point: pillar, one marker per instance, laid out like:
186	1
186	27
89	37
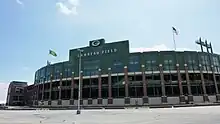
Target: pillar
38	91
42	95
205	96
90	100
36	88
60	91
72	89
81	84
216	86
50	93
145	97
190	96
110	99
127	98
182	97
163	97
99	86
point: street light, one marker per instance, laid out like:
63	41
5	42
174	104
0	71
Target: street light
79	86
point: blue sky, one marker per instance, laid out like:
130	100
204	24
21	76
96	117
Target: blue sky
29	28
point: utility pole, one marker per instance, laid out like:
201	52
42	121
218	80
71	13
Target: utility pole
79	86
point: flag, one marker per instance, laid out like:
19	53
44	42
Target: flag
48	62
51	52
175	31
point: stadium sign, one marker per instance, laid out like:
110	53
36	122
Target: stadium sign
106	51
96	43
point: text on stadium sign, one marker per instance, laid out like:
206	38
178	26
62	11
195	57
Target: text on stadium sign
107	51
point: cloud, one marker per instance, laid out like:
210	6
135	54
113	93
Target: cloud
68	7
160	47
19	2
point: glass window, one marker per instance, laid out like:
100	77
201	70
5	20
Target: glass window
134	65
36	76
117	67
65	73
151	65
91	67
192	63
204	60
42	75
69	73
57	72
166	62
48	73
168	65
190	67
215	61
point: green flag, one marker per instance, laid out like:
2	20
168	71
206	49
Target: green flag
51	52
175	31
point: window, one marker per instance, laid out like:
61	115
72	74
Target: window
191	62
216	64
91	67
42	74
48	73
57	73
36	77
148	65
168	65
151	65
133	65
205	63
204	60
215	61
117	66
69	73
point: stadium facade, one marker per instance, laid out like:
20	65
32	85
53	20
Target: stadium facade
112	76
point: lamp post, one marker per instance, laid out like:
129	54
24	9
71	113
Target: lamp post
79	86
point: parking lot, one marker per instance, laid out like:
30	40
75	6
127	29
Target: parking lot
186	115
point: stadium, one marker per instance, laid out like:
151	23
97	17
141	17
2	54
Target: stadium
110	75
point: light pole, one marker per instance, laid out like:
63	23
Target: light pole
79	86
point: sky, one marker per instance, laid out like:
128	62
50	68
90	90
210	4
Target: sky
29	28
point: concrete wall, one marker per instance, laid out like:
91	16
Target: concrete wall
139	100
154	100
173	100
65	102
118	102
198	99
212	98
121	101
54	103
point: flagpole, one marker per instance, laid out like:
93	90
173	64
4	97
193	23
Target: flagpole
174	42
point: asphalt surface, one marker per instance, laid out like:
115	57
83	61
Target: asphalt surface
186	115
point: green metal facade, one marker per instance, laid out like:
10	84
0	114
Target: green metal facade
116	55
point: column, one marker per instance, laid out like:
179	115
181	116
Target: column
42	95
205	96
81	79
60	90
190	96
216	86
163	97
99	87
90	100
110	99
50	93
145	97
182	97
72	89
127	98
38	88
